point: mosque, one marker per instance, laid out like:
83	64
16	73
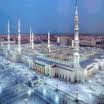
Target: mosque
68	63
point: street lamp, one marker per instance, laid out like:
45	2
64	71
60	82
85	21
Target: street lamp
44	91
56	98
0	90
57	85
90	83
29	92
76	96
25	100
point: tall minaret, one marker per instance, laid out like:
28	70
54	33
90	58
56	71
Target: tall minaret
76	39
58	40
8	35
49	45
32	40
30	36
19	37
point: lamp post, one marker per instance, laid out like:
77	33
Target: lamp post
76	99
0	90
57	85
25	101
57	99
90	86
29	92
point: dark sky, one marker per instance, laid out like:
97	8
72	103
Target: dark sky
52	15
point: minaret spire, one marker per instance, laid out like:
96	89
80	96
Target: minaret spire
19	36
76	39
30	36
8	35
76	8
76	3
49	42
32	40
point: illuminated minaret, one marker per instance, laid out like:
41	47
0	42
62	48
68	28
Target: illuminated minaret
30	36
8	35
58	40
72	43
19	37
49	45
76	39
32	40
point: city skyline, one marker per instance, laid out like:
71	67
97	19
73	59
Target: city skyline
54	16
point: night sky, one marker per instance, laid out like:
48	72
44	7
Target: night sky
52	15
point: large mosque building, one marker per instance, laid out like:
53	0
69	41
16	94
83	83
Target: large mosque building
68	63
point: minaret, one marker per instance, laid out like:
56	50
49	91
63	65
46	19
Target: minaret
72	43
8	35
30	36
76	40
32	40
19	37
58	40
49	45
